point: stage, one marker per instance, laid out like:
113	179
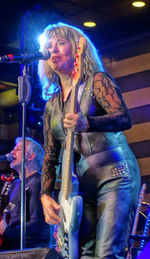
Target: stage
35	253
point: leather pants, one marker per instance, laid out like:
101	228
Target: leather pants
110	189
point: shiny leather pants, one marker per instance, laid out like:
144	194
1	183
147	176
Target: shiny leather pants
110	203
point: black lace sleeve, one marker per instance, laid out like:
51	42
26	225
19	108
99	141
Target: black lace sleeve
108	95
51	157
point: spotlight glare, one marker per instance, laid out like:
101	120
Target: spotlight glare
89	24
138	3
42	40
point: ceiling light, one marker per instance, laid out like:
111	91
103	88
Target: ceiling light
138	3
89	24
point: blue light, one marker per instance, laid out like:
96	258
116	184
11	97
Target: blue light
53	89
42	40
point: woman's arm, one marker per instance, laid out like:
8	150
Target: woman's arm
51	160
51	156
108	95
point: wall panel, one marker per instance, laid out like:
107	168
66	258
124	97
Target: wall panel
133	77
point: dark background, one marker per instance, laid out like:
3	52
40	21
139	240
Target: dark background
118	23
122	31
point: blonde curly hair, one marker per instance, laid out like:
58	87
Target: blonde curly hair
91	62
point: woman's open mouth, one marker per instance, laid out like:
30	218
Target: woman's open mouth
56	58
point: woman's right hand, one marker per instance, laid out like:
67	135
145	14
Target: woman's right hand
50	209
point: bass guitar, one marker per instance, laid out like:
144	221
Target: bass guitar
71	203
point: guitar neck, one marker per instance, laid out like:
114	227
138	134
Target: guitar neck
68	156
74	95
5	191
3	198
67	165
67	161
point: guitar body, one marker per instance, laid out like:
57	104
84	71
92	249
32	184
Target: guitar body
70	214
67	232
71	203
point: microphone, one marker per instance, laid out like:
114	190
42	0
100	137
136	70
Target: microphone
25	58
7	157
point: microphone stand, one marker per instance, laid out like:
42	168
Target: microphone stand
24	97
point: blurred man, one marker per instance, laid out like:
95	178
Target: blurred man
37	231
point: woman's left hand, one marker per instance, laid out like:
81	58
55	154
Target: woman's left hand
76	122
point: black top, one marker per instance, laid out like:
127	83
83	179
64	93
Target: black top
37	231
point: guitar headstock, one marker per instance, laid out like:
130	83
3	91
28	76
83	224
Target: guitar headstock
8	180
81	46
78	67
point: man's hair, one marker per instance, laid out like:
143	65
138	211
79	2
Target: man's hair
92	61
33	146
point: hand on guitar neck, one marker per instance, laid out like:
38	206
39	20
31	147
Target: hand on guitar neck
51	209
76	122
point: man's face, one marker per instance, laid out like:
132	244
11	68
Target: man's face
17	157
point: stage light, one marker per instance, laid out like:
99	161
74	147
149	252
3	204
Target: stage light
42	40
138	3
89	24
